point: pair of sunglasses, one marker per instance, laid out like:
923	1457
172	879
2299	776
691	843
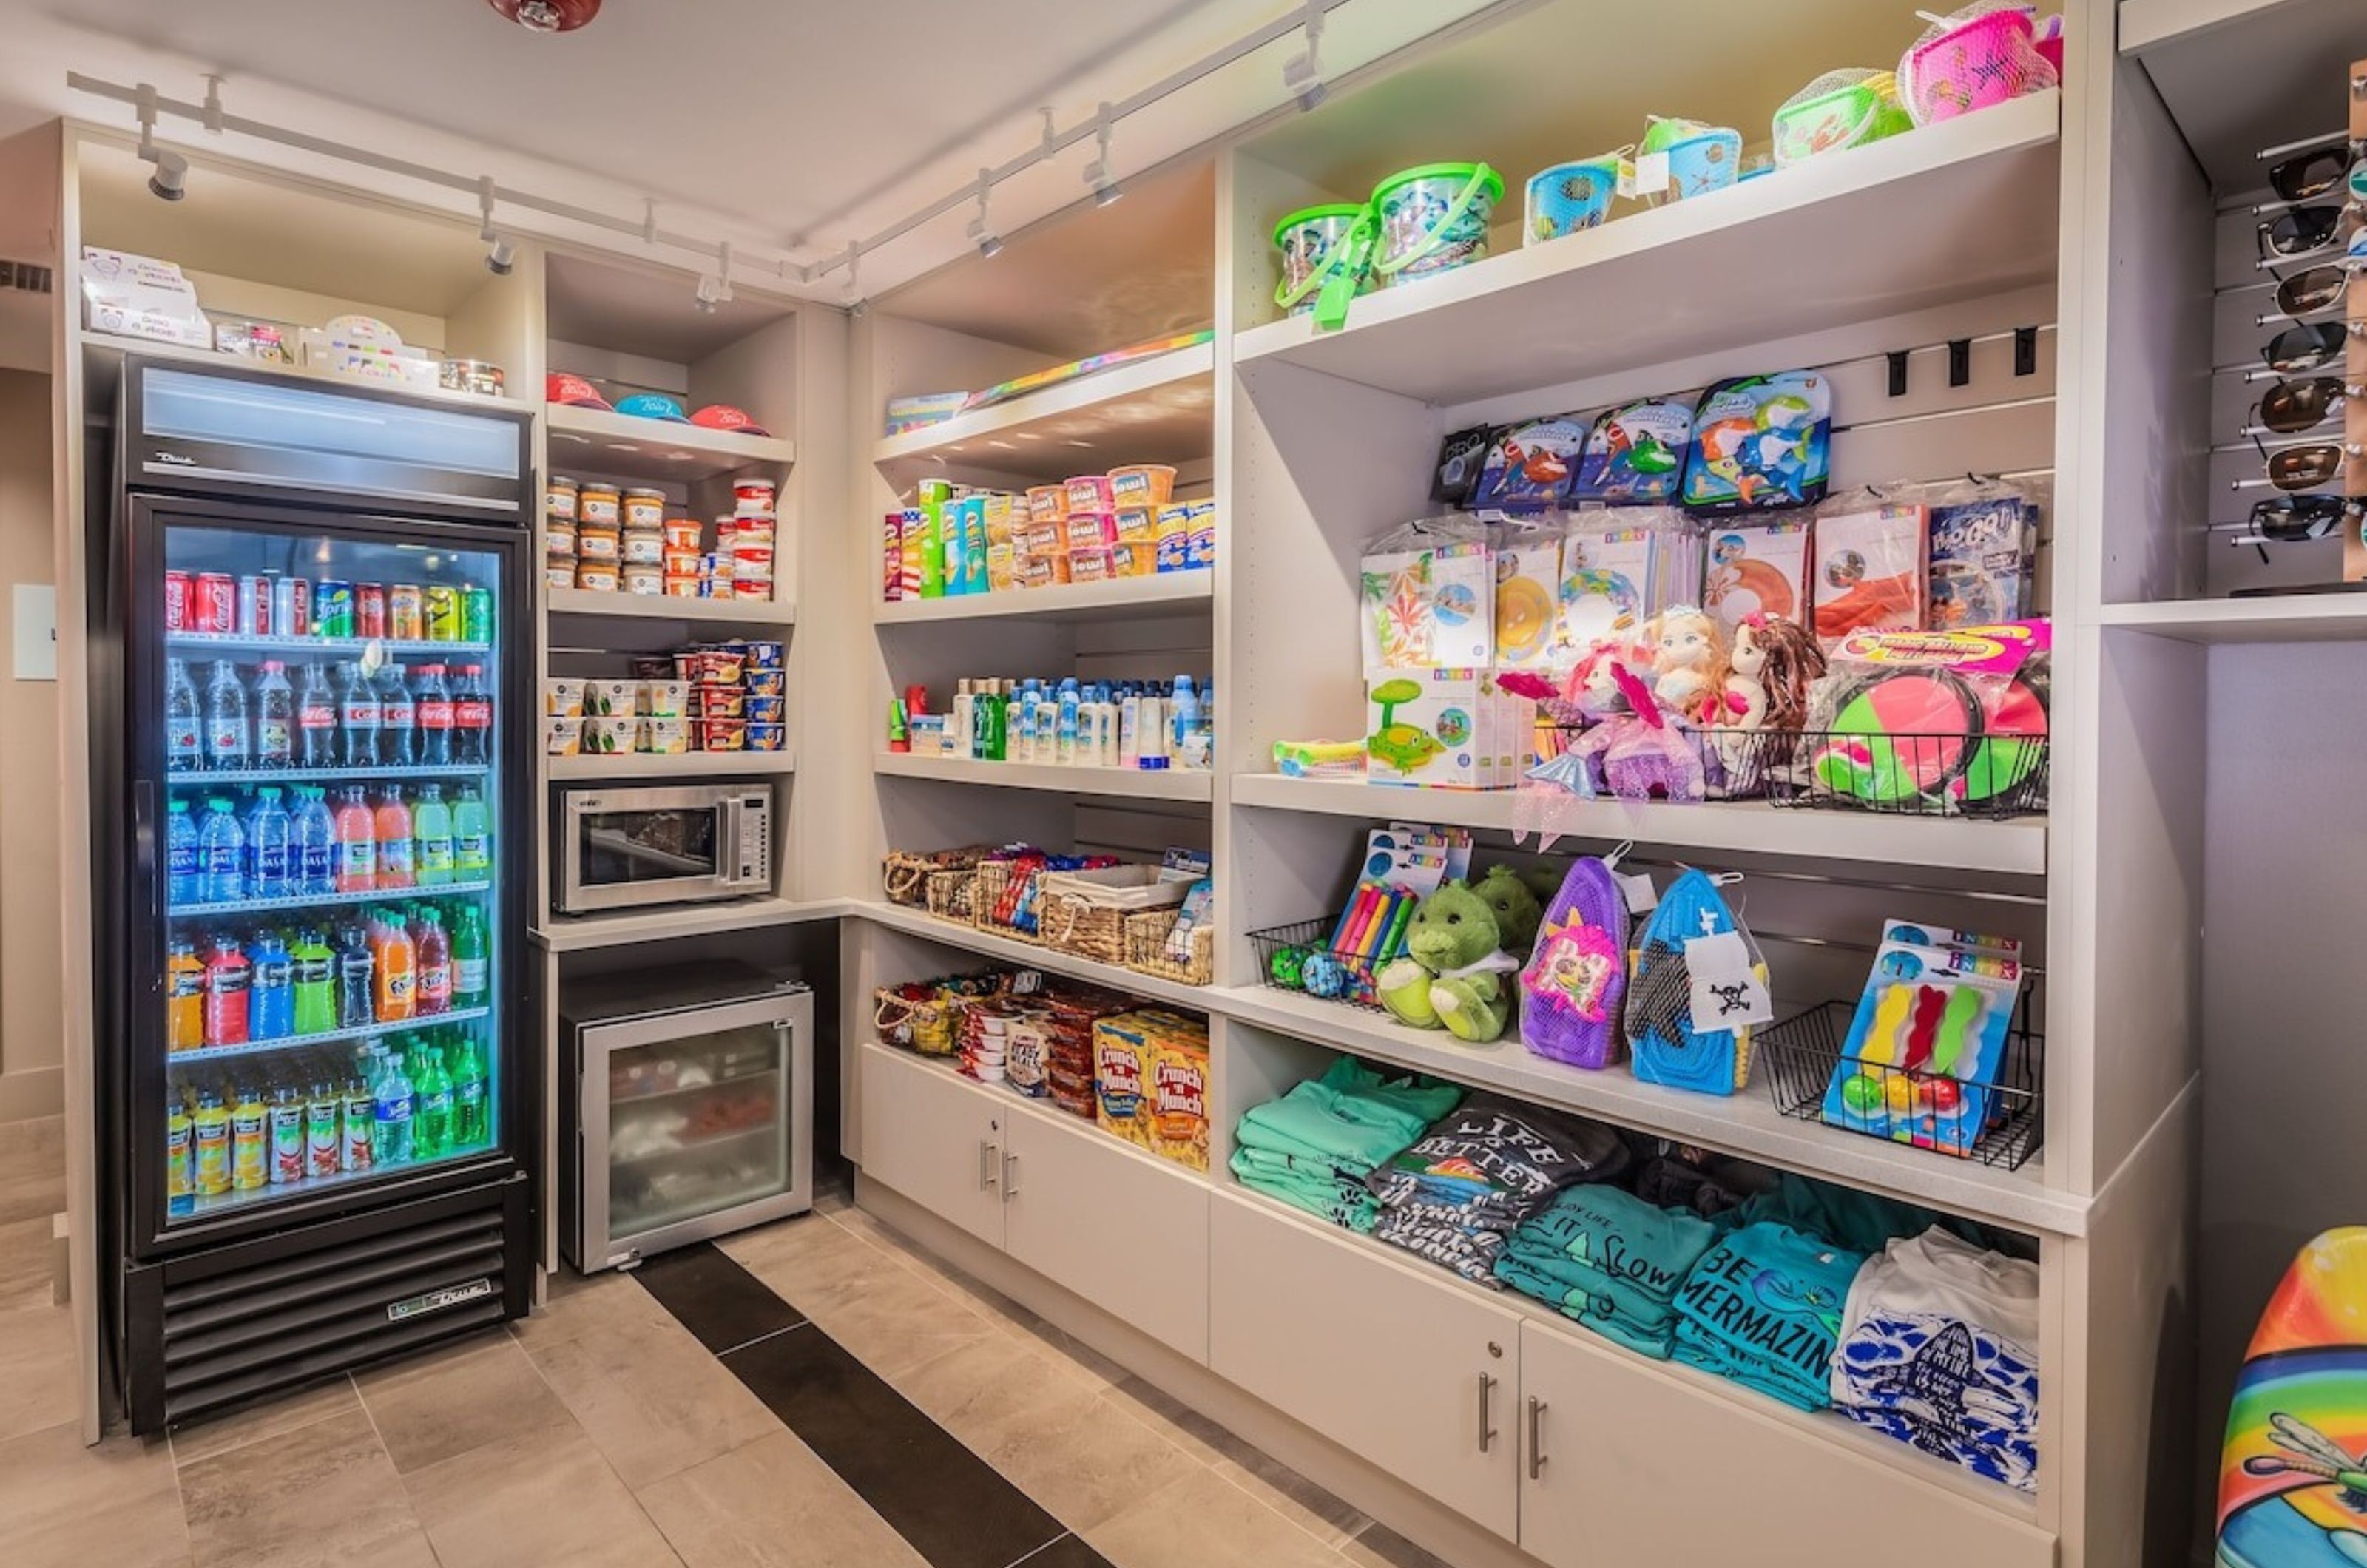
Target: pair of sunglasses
2305	467
2306	229
2292	407
2309	346
2295	519
2308	176
2322	288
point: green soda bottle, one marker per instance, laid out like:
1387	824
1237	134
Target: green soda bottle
471	1106
432	1129
472	970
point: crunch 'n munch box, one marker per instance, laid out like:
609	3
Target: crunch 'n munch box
1150	1080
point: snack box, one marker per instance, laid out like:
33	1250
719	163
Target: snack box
1445	729
611	699
664	699
1200	543
614	737
1151	1083
562	737
665	737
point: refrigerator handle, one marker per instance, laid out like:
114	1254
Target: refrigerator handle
143	841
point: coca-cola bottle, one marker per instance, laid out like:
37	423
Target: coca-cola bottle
436	717
472	719
398	719
316	720
358	717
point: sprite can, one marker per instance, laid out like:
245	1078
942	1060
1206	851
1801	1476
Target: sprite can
476	613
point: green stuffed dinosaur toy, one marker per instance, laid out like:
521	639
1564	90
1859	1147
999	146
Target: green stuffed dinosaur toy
1451	974
1518	913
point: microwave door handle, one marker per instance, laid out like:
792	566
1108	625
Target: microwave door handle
727	855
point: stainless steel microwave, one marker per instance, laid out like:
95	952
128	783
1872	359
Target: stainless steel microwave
625	847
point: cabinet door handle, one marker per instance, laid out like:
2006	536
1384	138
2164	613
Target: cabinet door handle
986	1162
1486	1432
1010	1177
1536	1437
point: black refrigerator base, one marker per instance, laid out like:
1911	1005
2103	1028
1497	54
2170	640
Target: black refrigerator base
232	1324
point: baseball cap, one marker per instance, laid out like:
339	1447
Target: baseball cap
652	405
723	416
558	386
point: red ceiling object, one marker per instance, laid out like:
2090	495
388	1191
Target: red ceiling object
548	16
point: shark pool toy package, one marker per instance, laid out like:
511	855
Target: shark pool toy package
1928	1040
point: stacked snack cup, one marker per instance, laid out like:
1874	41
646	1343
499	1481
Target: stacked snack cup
559	532
750	540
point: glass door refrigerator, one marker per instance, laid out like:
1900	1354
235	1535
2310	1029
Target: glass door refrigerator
322	1067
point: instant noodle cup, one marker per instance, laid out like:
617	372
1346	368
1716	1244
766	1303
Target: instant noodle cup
664	699
1095	564
1136	559
1089	530
1433	219
684	534
766	710
597	577
722	702
762	655
1090	493
1047	503
767	736
563	698
611	737
766	683
648	581
1137	522
560	574
721	667
721	734
1141	484
1042	538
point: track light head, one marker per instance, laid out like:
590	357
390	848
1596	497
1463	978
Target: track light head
1314	94
501	256
171	180
981	232
711	294
990	245
1097	172
1302	74
1107	193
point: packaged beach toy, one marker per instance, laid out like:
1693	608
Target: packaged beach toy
1761	441
1976	57
1530	465
1326	260
1699	158
1635	453
1928	1039
1433	219
1567	197
1838	109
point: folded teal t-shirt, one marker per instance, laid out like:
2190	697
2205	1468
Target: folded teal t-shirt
1651	1249
1763	1306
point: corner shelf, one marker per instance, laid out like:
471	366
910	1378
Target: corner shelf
583	933
1160	409
1187	591
1747	1123
1171	783
919	924
2017	847
595	441
1950	211
665	608
2315	617
674	766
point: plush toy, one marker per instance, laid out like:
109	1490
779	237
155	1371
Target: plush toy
1544	880
1451	974
1645	753
1689	663
1774	660
1515	905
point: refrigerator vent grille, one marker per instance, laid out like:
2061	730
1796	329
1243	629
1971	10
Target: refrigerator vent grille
250	1331
29	277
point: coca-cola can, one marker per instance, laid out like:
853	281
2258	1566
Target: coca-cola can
369	609
179	589
255	606
215	608
291	606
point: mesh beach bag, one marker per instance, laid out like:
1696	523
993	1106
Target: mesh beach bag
1975	58
1838	109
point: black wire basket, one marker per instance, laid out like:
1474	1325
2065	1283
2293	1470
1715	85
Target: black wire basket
1957	774
1283	955
1800	1058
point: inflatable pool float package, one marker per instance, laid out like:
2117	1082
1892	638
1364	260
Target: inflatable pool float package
1928	1040
1429	595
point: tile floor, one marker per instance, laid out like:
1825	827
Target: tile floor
814	1394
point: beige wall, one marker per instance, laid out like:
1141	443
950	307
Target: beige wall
31	1032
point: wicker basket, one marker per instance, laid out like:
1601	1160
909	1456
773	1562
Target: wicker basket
917	1023
1146	949
1085	912
1085	929
1003	898
904	874
953	896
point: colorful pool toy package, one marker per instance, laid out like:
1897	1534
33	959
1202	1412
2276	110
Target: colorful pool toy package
1444	729
1567	198
1433	219
1761	441
1839	110
1678	159
1939	720
1428	595
1928	1040
1327	254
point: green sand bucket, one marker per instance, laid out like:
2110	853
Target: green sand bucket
1326	260
1433	219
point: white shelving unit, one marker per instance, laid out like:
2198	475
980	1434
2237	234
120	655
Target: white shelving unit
1063	602
1171	783
586	602
674	766
1027	954
1157	408
599	441
586	933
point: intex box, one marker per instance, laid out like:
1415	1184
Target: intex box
1449	728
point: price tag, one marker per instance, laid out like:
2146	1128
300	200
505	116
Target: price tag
1727	992
1641	895
1652	174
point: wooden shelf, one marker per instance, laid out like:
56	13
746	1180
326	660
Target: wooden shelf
1187	591
2321	617
663	608
1171	783
2017	847
920	922
581	933
1948	212
596	440
1747	1123
1154	410
676	765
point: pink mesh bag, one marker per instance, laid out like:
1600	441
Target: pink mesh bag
1975	58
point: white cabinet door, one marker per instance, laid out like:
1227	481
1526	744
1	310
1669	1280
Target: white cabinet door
1639	1464
1127	1232
1415	1372
935	1137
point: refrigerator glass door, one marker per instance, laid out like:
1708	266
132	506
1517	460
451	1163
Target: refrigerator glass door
700	1110
321	798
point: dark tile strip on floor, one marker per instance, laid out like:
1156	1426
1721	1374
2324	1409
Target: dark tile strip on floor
954	1509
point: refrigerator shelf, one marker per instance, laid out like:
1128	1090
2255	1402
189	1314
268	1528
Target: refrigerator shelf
221	643
198	777
247	1198
621	1101
703	1145
326	900
353	1036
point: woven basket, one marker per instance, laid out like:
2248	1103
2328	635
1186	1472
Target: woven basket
1146	949
1084	928
925	1025
953	896
904	874
1003	900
